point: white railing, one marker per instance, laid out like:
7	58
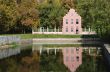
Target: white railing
43	30
47	30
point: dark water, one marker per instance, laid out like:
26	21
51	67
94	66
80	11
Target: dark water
48	58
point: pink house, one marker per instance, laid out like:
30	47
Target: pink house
72	23
72	58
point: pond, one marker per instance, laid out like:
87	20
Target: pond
52	58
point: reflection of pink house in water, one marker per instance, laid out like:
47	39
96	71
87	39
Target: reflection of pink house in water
72	58
72	23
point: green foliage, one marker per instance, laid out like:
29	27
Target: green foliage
92	64
28	12
51	13
95	14
8	15
24	15
52	62
28	61
16	16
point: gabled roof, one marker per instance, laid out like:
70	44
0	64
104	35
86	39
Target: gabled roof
72	13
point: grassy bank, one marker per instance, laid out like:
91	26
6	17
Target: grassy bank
30	36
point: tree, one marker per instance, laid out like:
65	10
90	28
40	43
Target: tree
8	15
95	14
51	13
29	15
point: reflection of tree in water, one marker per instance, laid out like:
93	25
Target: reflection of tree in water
29	61
52	62
25	62
91	63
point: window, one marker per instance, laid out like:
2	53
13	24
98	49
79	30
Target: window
76	31
66	21
71	29
66	29
77	21
71	21
77	49
77	58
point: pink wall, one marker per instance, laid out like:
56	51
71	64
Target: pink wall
70	55
69	16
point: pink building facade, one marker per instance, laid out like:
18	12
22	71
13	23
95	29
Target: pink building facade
72	58
72	23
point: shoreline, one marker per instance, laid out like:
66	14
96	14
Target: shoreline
66	41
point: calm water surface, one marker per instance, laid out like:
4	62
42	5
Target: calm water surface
49	58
